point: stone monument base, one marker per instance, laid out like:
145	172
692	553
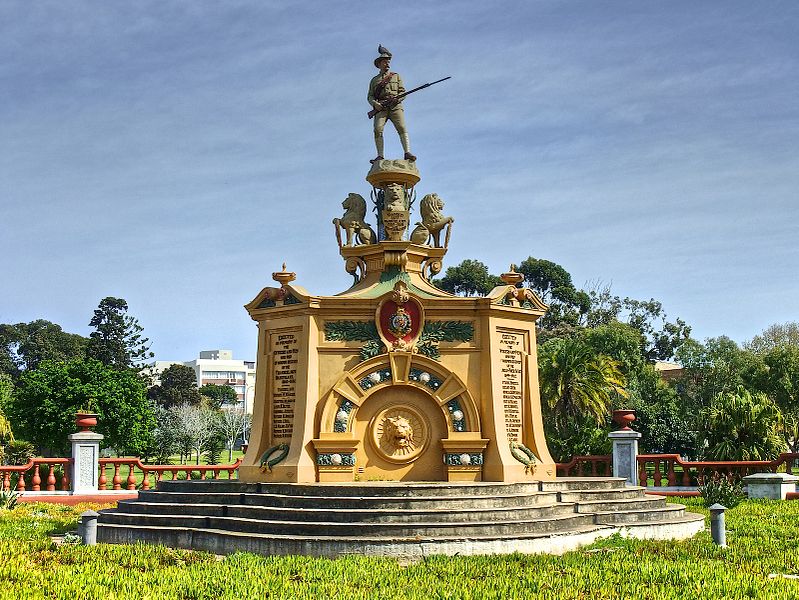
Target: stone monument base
410	520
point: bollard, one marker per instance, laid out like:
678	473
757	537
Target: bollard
87	527
717	530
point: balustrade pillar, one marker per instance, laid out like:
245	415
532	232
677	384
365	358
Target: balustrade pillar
85	457
625	451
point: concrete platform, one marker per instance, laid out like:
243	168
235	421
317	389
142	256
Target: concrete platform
393	519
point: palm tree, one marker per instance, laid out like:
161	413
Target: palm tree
578	382
741	426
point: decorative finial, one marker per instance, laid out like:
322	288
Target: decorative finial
512	277
283	277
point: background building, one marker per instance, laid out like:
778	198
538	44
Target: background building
220	368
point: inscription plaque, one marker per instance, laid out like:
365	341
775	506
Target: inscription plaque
511	348
285	356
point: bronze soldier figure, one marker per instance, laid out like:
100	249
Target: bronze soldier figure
384	88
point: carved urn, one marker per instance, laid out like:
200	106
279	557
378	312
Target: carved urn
623	417
85	421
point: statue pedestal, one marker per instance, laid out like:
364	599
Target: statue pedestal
625	454
85	457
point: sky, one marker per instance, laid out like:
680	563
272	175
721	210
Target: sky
176	153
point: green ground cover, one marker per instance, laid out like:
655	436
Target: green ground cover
763	538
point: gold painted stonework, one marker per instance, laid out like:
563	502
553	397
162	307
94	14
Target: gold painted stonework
394	373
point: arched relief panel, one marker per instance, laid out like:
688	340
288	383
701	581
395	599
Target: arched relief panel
398	368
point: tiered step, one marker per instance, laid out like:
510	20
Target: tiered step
388	518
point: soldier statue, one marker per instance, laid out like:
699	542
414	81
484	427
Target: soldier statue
383	91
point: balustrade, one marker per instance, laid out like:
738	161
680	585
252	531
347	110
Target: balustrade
679	472
586	466
32	470
136	469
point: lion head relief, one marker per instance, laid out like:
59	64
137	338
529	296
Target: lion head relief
399	431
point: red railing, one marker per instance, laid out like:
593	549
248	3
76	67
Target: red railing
33	472
674	471
587	466
137	469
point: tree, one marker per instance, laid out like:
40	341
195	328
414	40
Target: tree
201	426
178	386
44	405
117	339
219	395
25	345
233	423
739	425
577	381
469	278
553	284
661	338
578	387
779	379
779	334
6	389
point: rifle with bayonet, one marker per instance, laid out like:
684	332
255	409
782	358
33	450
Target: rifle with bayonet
391	102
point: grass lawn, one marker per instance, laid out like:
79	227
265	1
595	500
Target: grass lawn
763	539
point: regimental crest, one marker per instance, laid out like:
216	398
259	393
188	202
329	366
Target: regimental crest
400	319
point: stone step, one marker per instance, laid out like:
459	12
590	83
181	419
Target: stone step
354	489
565	484
617	494
391	530
334	515
223	542
354	502
669	512
622	504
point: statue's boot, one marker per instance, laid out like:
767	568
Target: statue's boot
409	156
374	160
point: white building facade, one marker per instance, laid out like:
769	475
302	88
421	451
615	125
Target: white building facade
220	368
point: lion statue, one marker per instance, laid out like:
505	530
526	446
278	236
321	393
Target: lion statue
399	431
353	222
433	221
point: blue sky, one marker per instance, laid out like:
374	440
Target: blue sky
176	153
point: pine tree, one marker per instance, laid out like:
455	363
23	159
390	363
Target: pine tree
117	339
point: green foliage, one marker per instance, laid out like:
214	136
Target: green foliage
774	336
219	395
722	490
25	346
8	500
469	278
553	284
742	426
350	331
117	339
577	381
178	386
19	452
6	389
370	349
664	426
43	409
448	331
661	338
761	536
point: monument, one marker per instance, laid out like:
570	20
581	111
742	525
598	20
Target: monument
394	418
394	378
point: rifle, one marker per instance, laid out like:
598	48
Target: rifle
394	100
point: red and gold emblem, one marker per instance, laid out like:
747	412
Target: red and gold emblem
399	319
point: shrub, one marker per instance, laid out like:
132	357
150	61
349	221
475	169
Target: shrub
19	452
8	500
722	489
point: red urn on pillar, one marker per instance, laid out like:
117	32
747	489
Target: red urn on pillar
623	417
85	421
